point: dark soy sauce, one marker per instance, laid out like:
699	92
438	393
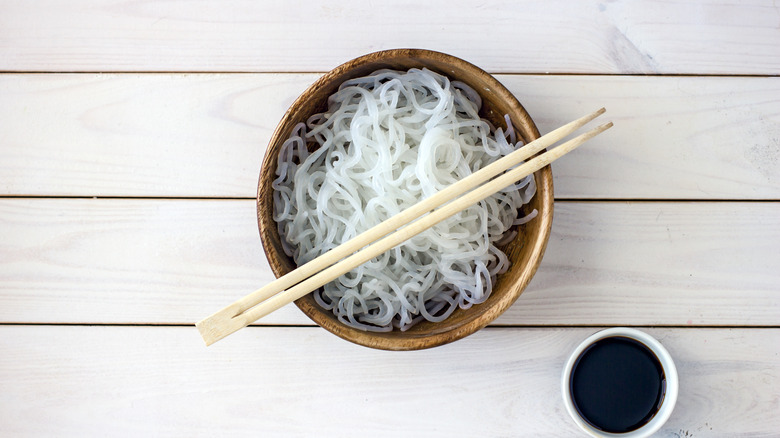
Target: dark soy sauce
617	384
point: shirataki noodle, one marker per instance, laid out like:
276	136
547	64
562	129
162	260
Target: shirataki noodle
387	141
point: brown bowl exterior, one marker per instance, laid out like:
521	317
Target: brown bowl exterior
525	251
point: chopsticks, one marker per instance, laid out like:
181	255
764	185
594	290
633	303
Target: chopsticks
394	231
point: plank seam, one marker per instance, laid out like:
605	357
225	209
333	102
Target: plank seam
492	326
245	72
241	198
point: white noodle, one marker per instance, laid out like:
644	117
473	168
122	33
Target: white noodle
387	141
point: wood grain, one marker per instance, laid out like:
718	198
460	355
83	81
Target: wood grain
204	135
594	36
177	261
161	381
138	135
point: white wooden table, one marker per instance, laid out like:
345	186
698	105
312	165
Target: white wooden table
131	134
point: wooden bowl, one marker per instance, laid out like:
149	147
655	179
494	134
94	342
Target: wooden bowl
525	251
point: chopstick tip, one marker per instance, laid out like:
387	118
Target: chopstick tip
207	331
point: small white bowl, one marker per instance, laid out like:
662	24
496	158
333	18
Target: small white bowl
670	371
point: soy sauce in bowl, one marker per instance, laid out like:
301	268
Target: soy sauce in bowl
617	384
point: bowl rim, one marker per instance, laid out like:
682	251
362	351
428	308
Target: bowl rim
543	180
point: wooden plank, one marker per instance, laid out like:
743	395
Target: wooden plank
128	261
160	381
204	135
651	36
657	263
177	261
139	135
674	138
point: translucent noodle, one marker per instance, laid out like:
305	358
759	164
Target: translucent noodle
387	141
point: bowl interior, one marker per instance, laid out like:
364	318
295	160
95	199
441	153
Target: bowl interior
525	251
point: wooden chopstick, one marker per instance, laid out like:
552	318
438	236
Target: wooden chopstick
327	267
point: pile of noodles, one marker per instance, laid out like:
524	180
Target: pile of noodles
387	141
